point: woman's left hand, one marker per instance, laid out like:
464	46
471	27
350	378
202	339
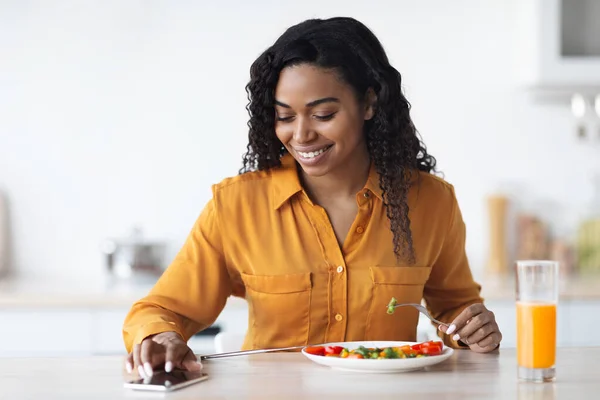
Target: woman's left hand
476	327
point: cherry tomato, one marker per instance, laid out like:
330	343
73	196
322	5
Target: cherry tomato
431	350
316	351
432	343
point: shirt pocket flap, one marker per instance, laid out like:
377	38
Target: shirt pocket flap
278	284
400	275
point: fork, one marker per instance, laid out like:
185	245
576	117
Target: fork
248	352
423	311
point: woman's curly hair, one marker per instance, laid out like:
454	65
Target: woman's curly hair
349	48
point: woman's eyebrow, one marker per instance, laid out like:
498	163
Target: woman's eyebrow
313	103
323	100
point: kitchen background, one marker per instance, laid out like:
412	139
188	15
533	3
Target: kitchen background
117	116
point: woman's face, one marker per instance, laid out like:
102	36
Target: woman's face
319	119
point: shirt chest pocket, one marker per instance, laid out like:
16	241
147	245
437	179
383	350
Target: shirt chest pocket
406	284
279	309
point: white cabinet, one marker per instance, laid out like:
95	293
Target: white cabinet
583	324
558	45
106	331
93	331
45	333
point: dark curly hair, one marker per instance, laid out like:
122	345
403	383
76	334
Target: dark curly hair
348	47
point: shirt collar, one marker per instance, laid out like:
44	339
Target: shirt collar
286	182
373	182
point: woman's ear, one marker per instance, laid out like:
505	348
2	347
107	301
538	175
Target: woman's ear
370	104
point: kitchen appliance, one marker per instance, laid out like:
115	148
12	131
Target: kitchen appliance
134	258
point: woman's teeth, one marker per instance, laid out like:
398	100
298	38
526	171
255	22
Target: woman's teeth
312	154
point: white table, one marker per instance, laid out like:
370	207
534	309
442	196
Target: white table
466	375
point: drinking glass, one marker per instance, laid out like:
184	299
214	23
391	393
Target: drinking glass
537	298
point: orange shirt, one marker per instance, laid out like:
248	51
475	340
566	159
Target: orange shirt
261	237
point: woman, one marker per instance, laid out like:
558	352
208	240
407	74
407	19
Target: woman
335	211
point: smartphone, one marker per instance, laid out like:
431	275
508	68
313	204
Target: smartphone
167	382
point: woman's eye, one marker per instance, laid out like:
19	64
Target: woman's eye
325	117
284	119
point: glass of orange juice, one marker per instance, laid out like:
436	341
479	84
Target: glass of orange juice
537	298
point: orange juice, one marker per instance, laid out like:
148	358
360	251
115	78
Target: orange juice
536	334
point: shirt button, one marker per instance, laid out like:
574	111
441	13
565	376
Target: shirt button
366	195
338	317
360	229
340	269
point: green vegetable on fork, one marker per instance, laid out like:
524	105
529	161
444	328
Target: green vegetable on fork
392	305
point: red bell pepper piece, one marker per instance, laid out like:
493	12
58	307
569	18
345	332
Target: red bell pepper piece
334	350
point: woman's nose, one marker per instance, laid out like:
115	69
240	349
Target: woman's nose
303	132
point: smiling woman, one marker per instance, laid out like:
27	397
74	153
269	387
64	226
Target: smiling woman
334	212
321	124
339	58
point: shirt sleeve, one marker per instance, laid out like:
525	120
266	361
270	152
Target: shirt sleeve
192	291
450	287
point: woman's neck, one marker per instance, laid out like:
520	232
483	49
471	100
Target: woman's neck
342	183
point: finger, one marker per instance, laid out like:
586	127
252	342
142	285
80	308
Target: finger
462	319
172	357
146	356
129	363
494	339
176	353
479	334
190	362
491	340
443	328
475	324
137	362
136	356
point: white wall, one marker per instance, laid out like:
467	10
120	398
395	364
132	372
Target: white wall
116	112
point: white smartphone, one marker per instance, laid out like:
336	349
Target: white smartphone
166	382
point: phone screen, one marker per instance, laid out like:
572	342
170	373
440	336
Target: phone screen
167	381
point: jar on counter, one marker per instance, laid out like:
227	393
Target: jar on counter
588	236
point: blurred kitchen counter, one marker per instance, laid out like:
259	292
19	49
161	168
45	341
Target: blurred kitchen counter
28	293
502	288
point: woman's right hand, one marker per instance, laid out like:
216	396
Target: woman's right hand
166	348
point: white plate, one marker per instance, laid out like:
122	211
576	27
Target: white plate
378	366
